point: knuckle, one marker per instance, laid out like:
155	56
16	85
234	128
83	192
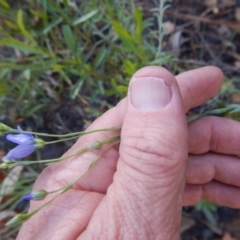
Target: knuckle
152	149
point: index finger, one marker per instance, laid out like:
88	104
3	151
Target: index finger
199	85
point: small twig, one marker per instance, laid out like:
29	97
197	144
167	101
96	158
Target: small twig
232	25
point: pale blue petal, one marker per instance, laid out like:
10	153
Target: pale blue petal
21	151
20	138
19	128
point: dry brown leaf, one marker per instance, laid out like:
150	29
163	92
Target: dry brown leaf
227	3
168	27
175	42
2	176
8	183
186	223
6	214
2	153
235	98
210	3
51	92
237	64
237	14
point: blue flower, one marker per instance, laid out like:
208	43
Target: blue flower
27	143
37	195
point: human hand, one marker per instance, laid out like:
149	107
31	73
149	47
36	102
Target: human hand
145	197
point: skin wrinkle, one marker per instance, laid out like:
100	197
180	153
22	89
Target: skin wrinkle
207	167
156	201
137	173
195	165
81	201
135	194
132	227
142	149
189	94
213	138
226	130
214	193
211	171
233	167
207	193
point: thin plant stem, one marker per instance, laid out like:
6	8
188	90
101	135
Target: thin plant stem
61	140
69	134
73	155
69	186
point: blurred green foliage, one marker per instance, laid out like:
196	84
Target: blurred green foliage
87	49
58	50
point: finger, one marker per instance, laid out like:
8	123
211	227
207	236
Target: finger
194	85
202	169
214	134
153	154
214	192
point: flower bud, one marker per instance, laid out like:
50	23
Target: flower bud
6	165
96	145
4	129
18	219
6	160
37	195
39	143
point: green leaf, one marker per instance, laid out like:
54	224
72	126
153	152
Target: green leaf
129	67
22	46
122	32
5	4
210	216
122	89
100	57
3	73
69	38
127	39
11	25
76	89
139	24
42	66
52	25
22	27
27	74
3	87
31	110
85	17
163	59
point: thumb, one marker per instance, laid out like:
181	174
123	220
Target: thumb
153	153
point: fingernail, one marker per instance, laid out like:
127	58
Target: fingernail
149	93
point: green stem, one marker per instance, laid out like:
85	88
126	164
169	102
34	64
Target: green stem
55	159
160	26
92	164
73	155
61	140
69	134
